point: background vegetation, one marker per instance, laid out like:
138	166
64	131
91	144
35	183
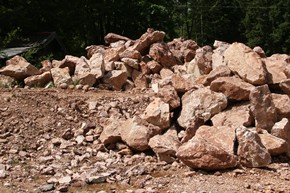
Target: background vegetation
79	23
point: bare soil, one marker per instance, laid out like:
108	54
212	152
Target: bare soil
31	118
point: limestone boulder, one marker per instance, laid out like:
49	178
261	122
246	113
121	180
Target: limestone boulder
147	39
285	86
246	63
235	116
282	105
116	78
169	95
276	68
275	146
112	54
140	80
18	68
7	81
251	151
111	133
166	145
83	73
154	66
161	53
91	50
263	108
158	113
281	129
182	49
203	59
38	80
131	62
211	148
129	53
183	83
112	37
60	76
233	87
218	54
136	133
97	65
219	71
70	62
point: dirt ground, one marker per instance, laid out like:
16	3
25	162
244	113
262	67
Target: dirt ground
30	119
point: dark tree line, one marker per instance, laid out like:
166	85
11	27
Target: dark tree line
84	22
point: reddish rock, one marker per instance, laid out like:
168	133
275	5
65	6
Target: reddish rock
154	66
233	87
18	68
134	54
219	71
112	54
111	133
243	61
235	116
211	148
116	78
139	79
38	80
203	59
285	86
83	73
263	108
70	62
182	49
131	62
60	76
169	95
281	129
158	113
218	54
166	145
46	66
112	37
275	146
259	51
183	83
276	68
147	39
137	133
161	53
93	49
282	105
251	151
97	65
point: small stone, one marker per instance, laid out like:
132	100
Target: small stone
47	187
63	85
90	138
96	179
65	180
80	139
63	188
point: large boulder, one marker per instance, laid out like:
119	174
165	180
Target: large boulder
112	37
116	78
169	95
203	59
218	54
111	133
18	68
233	87
38	80
131	62
161	53
281	130
183	82
158	113
263	108
147	39
276	68
70	62
198	106
184	50
219	71
83	74
243	61
275	145
60	76
251	151
137	132
235	116
211	148
166	145
97	65
282	105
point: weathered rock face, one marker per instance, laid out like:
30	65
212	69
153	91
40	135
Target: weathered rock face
166	145
161	53
281	129
200	104
38	80
184	50
233	87
285	86
91	50
128	53
243	61
251	151
203	59
218	54
60	75
147	39
83	73
219	71
158	113
275	145
112	54
263	108
282	104
137	132
131	62
211	148
7	81
18	68
234	117
154	66
112	37
117	78
169	95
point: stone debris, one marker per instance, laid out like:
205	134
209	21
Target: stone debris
206	107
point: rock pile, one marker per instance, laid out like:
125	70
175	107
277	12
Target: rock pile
211	108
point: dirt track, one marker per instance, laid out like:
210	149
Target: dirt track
30	119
